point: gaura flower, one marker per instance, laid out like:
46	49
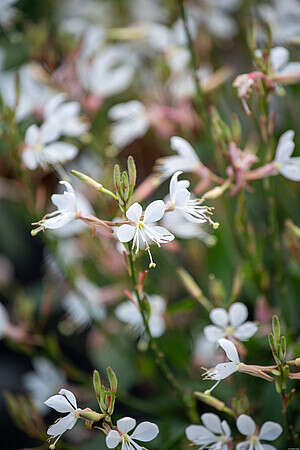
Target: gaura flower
129	312
40	150
213	434
287	165
231	323
186	160
131	122
191	209
279	57
145	432
269	432
66	212
142	231
63	402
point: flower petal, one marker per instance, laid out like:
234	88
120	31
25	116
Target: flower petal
268	447
245	425
59	403
291	169
230	350
70	397
270	431
128	312
32	135
212	422
173	184
223	370
219	316
279	57
113	439
212	333
157	325
161	233
184	148
245	331
30	158
238	313
226	428
134	213
200	435
145	431
125	232
62	425
285	146
154	211
59	152
126	424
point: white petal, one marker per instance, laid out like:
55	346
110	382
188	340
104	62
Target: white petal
212	333
30	158
285	146
59	152
279	57
219	316
182	197
113	439
230	350
126	424
268	447
154	211
243	446
59	221
292	68
70	396
291	170
161	233
245	425
145	431
4	319
50	131
53	103
245	331
59	403
184	148
200	435
226	428
212	422
32	135
173	184
123	110
62	425
126	232
134	212
223	370
128	312
270	431
238	313
157	325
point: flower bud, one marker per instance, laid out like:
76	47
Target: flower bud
276	328
132	174
113	381
214	402
97	383
282	348
125	186
88	180
117	179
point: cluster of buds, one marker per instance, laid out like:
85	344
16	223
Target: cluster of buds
278	348
125	183
106	396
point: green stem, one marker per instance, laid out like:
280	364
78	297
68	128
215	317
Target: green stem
187	399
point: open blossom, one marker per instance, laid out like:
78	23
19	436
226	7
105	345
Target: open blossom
41	148
181	201
186	160
130	122
231	323
129	312
66	212
63	402
287	165
213	434
268	432
279	57
143	230
145	432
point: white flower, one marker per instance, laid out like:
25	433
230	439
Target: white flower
145	432
43	381
224	370
142	231
279	58
63	402
244	84
180	200
214	434
7	11
186	160
40	150
268	432
4	321
64	117
129	312
288	166
231	323
131	122
283	18
66	212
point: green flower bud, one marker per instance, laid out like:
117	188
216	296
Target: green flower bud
276	328
132	174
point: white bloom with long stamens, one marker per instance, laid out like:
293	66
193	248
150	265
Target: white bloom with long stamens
129	312
143	230
66	212
186	160
63	402
41	150
268	432
231	323
287	165
213	434
224	370
181	201
145	432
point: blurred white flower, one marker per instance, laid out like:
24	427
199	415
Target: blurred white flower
224	370
142	231
186	160
282	68
40	150
43	382
129	312
231	323
283	18
205	354
131	122
4	321
67	210
213	434
63	402
8	11
268	432
145	432
287	165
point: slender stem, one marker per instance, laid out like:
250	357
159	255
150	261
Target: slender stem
187	399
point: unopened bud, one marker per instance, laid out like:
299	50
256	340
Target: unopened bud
131	174
276	328
113	381
215	193
97	383
88	180
214	402
117	178
282	348
125	186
